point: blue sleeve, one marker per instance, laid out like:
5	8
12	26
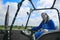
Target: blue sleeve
37	28
52	25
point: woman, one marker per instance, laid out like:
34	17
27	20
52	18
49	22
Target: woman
46	25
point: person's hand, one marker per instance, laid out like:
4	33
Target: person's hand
45	30
31	30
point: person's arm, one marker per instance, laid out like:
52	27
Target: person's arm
37	28
52	25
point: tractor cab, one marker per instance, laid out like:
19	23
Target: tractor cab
32	19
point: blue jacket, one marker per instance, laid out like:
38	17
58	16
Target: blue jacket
48	25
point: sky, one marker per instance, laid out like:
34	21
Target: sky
35	18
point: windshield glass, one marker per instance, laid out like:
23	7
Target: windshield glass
22	14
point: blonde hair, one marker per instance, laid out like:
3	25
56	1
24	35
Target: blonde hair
45	14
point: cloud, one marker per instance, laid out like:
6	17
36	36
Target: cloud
3	9
57	5
2	13
12	10
44	3
22	15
